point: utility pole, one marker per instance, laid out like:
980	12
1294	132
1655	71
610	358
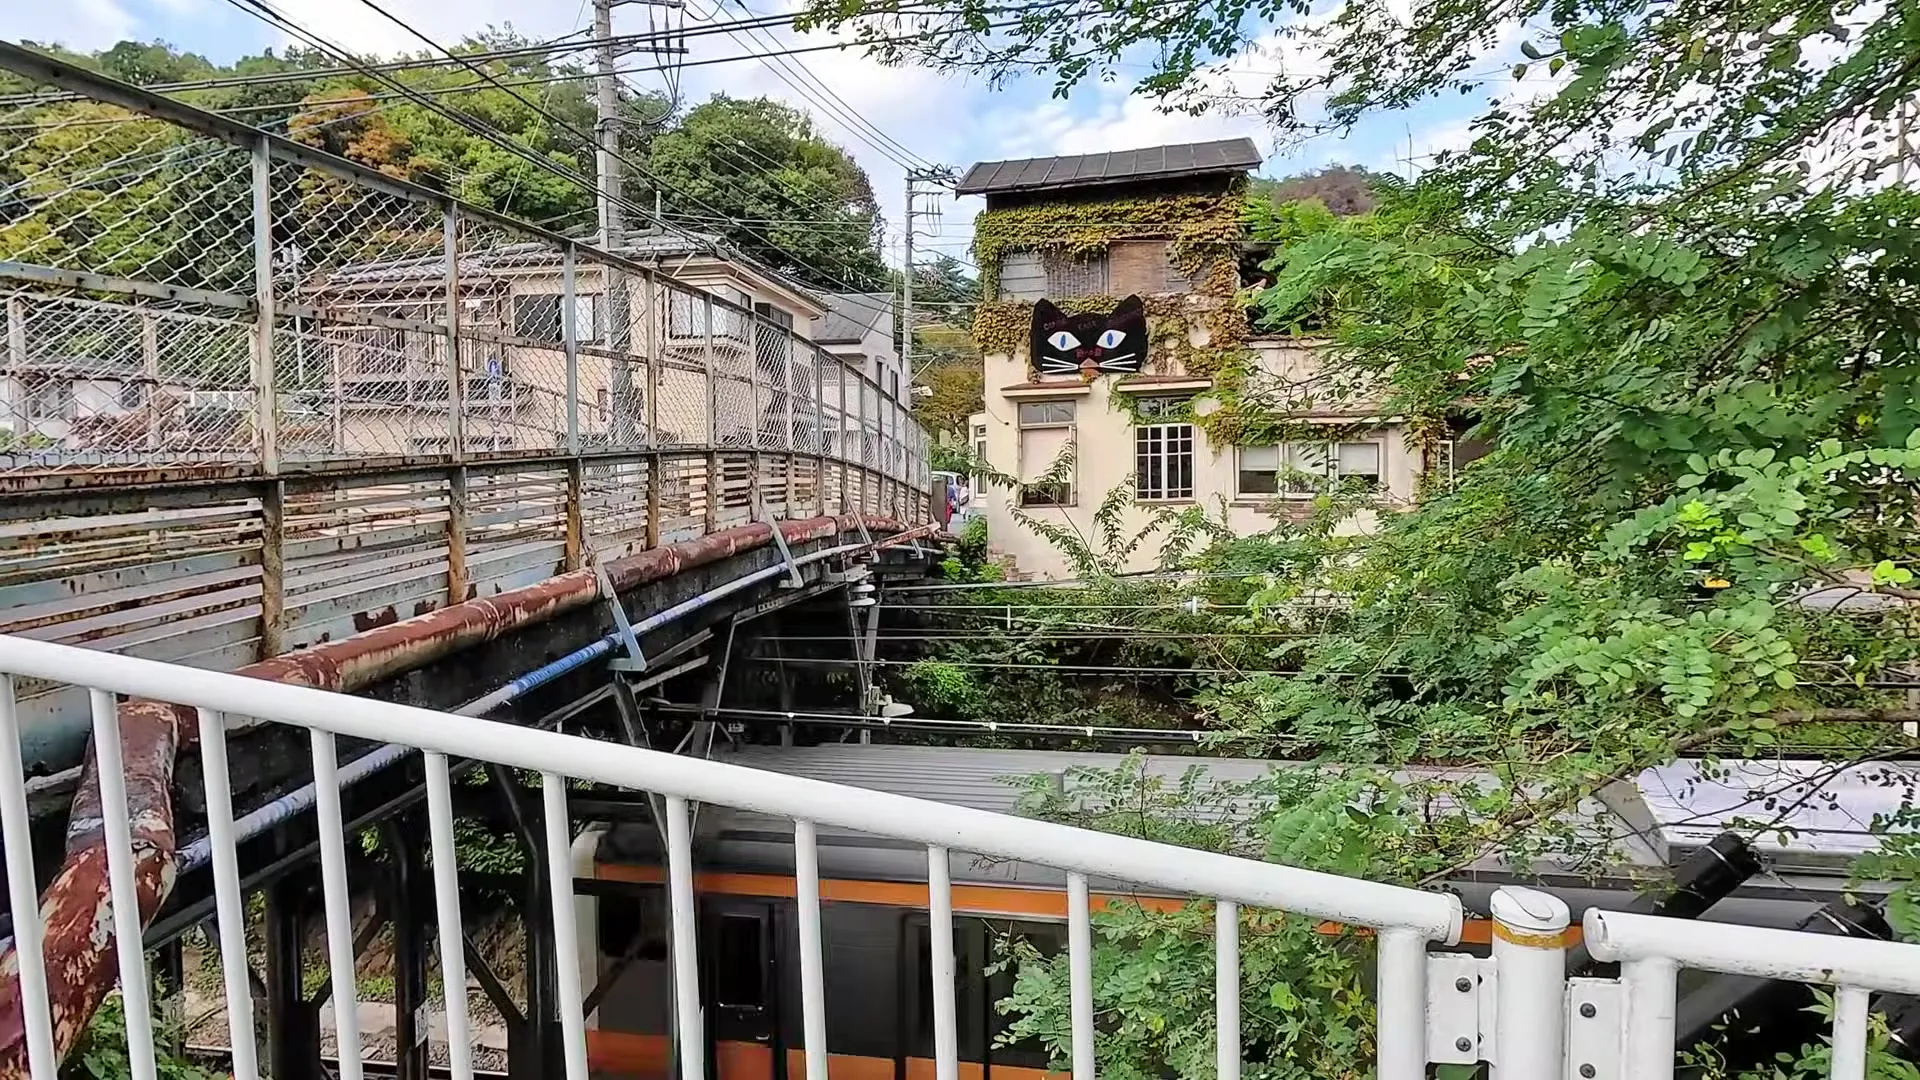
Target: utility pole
607	125
616	301
916	181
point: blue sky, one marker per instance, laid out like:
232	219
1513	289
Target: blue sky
938	116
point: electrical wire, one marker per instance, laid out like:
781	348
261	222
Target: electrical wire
844	114
587	140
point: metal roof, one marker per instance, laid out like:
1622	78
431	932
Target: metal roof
851	317
1154	162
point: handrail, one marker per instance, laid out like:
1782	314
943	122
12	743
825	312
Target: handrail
1435	916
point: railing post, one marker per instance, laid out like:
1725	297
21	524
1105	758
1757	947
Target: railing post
456	384
1226	989
1530	955
16	332
150	370
656	347
574	546
266	405
655	462
570	341
457	535
840	426
1401	1005
273	569
710	519
29	931
1650	990
819	432
755	382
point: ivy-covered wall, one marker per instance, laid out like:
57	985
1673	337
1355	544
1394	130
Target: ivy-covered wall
1198	229
1197	332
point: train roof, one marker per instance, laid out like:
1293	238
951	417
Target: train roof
1652	821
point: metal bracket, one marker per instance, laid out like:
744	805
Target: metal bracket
1594	1031
860	522
794	580
635	660
1461	995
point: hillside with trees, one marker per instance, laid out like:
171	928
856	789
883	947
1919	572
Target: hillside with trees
740	168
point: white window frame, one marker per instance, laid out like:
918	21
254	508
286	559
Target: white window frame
1330	453
1170	444
1172	441
1022	424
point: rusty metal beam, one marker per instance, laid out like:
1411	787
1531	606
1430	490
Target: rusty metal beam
74	906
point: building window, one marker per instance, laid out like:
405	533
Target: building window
777	316
50	399
538	317
1046	441
1164	454
1023	276
979	454
1297	468
1077	275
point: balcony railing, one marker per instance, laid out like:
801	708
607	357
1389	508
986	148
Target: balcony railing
1516	1009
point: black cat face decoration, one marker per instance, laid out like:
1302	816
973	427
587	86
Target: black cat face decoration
1090	344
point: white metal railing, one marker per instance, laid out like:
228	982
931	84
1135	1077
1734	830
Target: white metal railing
1511	1009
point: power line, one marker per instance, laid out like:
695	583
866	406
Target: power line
527	152
844	114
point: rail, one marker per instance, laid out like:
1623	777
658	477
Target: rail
1513	1009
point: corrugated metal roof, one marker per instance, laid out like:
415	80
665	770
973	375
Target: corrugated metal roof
1039	174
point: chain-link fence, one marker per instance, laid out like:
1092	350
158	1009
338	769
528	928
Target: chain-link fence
178	289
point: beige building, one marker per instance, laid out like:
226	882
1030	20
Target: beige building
1140	422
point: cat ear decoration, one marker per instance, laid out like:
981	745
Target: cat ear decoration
1122	346
1051	343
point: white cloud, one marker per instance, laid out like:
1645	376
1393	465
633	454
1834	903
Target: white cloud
84	25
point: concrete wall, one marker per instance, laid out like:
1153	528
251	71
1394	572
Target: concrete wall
1103	433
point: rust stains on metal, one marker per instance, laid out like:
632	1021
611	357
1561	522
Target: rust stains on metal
364	621
75	910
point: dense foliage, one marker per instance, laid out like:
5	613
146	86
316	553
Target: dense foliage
1672	281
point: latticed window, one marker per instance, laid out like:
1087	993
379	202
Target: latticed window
1163	462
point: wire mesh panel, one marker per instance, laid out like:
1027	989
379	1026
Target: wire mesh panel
94	189
683	402
89	384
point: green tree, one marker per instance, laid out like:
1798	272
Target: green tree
1674	286
758	172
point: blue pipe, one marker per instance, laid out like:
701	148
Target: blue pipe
200	852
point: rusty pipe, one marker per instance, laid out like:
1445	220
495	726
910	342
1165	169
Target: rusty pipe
75	911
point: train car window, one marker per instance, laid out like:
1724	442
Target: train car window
634	924
739	966
969	949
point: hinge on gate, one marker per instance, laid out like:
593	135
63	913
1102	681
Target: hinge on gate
1461	993
1594	1031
